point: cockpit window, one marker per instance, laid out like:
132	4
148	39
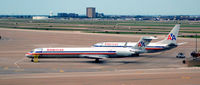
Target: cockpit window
38	51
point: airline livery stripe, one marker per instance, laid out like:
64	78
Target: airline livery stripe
112	46
71	53
79	51
129	46
153	48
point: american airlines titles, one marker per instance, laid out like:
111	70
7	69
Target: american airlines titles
55	49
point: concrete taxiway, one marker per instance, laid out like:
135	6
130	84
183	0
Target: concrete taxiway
173	76
152	69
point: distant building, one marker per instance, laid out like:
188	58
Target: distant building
66	15
40	18
90	12
62	15
73	15
99	15
51	13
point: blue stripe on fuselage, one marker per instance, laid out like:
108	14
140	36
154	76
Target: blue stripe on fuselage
155	47
75	51
110	46
129	46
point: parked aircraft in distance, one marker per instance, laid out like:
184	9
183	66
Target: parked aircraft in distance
90	52
166	44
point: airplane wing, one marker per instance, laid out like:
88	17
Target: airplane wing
182	43
94	56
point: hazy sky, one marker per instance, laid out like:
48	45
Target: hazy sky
115	7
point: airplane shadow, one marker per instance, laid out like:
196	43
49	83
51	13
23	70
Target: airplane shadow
101	62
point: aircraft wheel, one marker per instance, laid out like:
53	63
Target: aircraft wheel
97	60
183	62
32	60
137	54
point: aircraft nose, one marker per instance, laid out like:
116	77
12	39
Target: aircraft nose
29	55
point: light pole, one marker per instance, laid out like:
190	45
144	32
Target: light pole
196	42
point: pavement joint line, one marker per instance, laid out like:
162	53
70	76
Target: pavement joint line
189	68
185	77
61	71
16	63
19	70
5	68
182	43
154	69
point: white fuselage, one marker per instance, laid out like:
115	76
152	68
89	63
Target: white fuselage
126	44
151	47
167	43
89	52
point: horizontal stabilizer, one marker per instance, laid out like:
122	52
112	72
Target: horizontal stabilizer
182	43
150	38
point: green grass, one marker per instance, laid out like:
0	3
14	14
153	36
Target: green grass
69	26
78	22
102	22
196	65
107	32
143	24
90	24
189	36
190	31
163	25
120	23
48	29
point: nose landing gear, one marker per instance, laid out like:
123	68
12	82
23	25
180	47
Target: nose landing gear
35	59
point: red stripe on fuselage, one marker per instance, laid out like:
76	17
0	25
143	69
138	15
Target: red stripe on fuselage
71	53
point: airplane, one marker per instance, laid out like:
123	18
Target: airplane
166	44
90	52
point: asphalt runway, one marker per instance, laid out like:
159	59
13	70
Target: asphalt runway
14	65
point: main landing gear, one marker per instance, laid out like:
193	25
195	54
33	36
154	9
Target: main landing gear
32	59
137	54
96	60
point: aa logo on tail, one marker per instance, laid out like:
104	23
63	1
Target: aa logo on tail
141	44
171	37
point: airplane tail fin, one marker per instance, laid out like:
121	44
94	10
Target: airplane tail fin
143	42
172	36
